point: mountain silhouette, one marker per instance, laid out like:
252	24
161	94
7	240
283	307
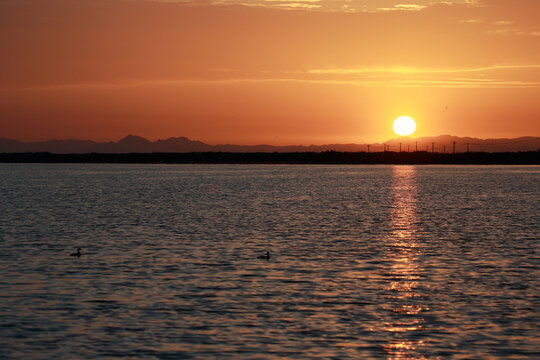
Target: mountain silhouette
138	144
180	144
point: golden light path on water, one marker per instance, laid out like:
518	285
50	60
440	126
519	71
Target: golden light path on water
403	286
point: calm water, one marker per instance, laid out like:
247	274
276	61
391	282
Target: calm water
368	262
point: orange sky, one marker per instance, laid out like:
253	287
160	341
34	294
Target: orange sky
268	71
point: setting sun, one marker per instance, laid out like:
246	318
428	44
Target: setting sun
404	125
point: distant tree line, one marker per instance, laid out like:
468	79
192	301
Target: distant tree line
325	157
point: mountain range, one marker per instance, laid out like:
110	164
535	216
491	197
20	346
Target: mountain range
137	144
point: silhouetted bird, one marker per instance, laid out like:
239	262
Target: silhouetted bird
77	254
267	256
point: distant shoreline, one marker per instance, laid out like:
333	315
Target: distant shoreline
325	157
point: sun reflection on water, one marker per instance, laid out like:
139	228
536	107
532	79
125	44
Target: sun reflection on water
406	320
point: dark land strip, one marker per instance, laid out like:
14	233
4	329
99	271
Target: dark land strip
325	157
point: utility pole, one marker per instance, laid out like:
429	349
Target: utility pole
384	147
417	146
399	147
454	148
368	149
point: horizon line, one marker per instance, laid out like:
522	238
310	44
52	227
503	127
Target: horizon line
154	140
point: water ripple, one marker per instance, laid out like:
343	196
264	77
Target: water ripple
371	262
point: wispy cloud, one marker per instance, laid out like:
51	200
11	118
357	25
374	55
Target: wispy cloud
403	7
406	70
470	21
521	75
496	76
297	5
332	5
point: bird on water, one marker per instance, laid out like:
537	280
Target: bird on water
267	256
77	254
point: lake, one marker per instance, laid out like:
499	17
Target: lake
366	262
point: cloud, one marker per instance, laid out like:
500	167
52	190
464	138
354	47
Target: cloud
404	7
331	5
525	75
404	70
495	76
470	21
297	5
119	42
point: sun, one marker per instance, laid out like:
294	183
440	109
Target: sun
404	125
